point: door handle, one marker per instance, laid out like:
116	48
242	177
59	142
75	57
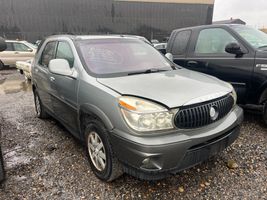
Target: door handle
52	79
16	52
192	63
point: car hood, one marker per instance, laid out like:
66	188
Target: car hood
172	88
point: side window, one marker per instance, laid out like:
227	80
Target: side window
181	42
9	46
64	52
213	41
20	47
48	54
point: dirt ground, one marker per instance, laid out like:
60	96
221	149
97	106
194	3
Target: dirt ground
43	161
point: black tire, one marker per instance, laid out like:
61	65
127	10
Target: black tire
2	169
112	169
39	108
1	65
265	113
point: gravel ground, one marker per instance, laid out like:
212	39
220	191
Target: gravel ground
43	161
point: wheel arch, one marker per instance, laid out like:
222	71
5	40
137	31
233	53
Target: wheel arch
263	94
88	111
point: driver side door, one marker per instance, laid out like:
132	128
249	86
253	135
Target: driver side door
209	53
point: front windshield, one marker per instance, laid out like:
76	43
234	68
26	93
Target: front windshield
121	55
253	36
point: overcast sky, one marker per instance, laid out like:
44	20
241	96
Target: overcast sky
254	12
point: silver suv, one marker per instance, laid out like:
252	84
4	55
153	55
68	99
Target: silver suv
134	109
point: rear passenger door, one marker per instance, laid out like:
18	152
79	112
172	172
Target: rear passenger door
64	89
42	74
208	55
179	46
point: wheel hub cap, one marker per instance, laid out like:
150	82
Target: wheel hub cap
96	151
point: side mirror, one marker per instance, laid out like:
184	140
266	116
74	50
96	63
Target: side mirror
169	56
30	50
61	67
2	44
234	48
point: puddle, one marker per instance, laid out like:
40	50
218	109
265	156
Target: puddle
14	159
15	85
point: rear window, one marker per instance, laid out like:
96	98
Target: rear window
113	56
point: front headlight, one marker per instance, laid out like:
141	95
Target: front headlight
143	116
233	93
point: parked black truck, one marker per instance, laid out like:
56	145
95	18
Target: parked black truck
234	53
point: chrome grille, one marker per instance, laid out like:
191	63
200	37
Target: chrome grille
196	116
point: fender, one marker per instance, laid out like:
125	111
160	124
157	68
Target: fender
94	111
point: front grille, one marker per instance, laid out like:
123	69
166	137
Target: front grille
196	116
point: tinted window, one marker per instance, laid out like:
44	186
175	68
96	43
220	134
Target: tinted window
64	51
213	41
20	47
111	56
180	42
48	53
9	46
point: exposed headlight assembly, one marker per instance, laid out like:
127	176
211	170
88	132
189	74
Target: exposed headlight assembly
144	116
233	93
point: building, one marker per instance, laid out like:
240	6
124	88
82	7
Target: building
35	19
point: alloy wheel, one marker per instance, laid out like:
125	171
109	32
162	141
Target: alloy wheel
96	151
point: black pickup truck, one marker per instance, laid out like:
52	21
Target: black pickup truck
233	53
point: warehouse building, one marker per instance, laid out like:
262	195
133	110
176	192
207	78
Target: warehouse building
154	19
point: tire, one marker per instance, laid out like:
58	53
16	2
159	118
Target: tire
2	170
265	113
99	152
1	65
39	108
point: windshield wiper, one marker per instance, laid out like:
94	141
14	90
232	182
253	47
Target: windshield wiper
148	71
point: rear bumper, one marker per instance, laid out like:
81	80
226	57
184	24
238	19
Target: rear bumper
156	157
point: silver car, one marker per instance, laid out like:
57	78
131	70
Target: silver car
135	110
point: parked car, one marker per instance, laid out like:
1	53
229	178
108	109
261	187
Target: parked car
161	47
2	171
233	53
24	67
135	110
16	51
154	41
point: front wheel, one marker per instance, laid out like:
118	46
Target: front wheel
101	158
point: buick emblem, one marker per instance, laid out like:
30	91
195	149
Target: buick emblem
213	113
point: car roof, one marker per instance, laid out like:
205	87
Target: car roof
16	41
209	26
88	37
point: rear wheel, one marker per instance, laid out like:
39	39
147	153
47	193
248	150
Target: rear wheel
39	108
1	65
2	171
101	158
